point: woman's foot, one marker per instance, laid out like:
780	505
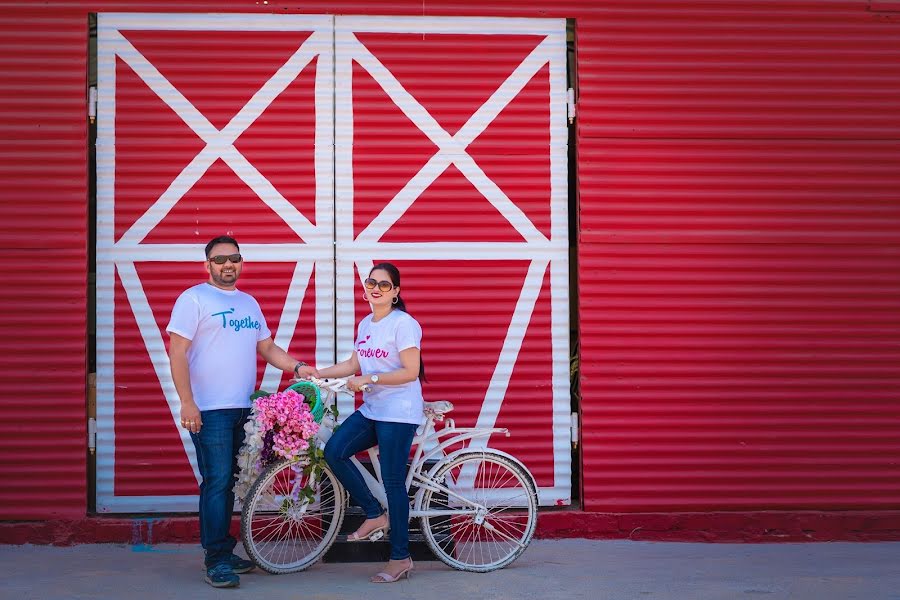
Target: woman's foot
394	571
371	530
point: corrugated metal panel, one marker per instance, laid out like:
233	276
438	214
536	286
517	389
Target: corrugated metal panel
742	376
43	297
429	158
814	83
739	280
820	70
740	191
206	126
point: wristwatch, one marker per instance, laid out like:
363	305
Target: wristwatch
374	378
297	366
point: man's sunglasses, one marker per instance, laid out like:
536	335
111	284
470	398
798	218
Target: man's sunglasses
384	286
220	259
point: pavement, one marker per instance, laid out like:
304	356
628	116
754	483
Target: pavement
565	569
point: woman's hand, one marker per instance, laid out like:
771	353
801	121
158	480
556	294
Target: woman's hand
356	384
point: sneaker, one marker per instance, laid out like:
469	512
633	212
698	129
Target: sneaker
240	565
222	576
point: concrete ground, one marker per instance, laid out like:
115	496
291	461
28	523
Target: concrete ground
549	569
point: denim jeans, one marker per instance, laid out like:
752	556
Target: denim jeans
394	440
217	444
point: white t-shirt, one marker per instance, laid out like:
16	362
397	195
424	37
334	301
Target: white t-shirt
224	327
378	346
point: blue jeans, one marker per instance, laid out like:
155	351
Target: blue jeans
217	444
394	440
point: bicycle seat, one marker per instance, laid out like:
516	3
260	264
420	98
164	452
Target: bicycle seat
438	408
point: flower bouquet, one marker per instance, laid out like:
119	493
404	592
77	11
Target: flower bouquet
281	425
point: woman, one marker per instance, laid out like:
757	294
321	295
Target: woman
388	357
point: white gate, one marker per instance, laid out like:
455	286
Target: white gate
212	124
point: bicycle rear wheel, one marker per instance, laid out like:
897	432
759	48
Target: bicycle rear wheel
486	515
283	531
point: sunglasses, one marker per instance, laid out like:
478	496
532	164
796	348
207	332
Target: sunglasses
220	259
384	286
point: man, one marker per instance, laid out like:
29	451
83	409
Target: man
215	333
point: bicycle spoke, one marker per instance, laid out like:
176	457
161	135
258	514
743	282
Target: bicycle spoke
283	530
498	528
510	538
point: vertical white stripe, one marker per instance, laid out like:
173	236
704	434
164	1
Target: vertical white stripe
559	268
106	277
325	193
345	319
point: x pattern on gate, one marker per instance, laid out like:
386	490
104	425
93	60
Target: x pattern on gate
317	244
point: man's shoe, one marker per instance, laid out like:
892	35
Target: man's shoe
222	576
240	565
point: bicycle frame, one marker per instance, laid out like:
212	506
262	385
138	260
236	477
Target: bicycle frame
429	436
453	435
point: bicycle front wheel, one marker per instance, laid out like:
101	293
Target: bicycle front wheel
482	513
290	519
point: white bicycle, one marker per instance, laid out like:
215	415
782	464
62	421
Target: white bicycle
477	506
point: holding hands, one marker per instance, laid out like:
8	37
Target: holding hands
359	383
305	371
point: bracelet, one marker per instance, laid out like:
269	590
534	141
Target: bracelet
298	365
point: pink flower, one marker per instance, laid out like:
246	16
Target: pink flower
288	416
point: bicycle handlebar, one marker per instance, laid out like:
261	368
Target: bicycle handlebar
337	384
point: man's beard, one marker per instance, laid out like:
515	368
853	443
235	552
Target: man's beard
224	279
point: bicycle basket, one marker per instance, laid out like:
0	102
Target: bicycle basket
313	397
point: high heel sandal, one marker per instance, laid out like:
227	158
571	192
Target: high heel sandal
388	578
373	536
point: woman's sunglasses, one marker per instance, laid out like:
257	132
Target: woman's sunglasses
220	259
384	286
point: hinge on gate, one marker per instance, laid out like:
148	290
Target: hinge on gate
573	428
570	104
92	103
92	435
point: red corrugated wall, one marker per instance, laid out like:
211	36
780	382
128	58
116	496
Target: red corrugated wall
43	293
739	260
738	249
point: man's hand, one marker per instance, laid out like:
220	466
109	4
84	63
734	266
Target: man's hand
178	349
306	372
190	417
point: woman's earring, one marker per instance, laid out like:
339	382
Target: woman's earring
396	298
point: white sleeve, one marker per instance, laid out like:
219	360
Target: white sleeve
185	316
409	335
263	331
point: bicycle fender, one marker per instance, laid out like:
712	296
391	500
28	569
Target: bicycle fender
417	499
493	451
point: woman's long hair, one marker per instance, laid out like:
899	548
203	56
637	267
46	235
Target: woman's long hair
394	274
